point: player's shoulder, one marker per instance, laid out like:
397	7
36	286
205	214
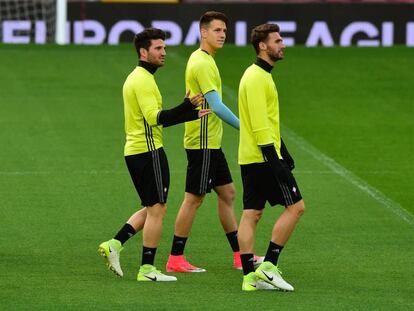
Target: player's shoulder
140	78
199	57
252	72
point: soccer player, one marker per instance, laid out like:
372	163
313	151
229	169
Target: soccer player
207	166
144	153
265	161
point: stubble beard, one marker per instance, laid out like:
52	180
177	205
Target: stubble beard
274	56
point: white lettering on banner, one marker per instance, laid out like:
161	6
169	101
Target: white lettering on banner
9	29
193	35
387	36
40	32
176	34
122	26
359	27
240	33
320	33
360	33
286	27
96	28
410	34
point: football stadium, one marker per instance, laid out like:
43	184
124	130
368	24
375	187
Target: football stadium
345	90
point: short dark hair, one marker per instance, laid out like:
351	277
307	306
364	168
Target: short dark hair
260	33
143	38
207	17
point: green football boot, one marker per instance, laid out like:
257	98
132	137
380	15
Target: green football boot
111	250
269	273
148	273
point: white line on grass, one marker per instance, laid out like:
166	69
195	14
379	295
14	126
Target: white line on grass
377	195
338	169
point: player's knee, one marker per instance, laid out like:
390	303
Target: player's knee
300	208
256	215
158	210
194	201
228	196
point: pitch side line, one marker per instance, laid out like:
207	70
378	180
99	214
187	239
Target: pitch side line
359	183
338	169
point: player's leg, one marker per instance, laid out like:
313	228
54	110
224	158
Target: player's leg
112	248
225	196
187	213
247	230
157	180
226	192
253	205
137	220
197	185
288	195
177	262
151	233
246	237
151	236
286	223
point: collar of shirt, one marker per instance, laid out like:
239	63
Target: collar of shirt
205	51
264	65
149	67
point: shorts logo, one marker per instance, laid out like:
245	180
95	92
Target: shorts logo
294	190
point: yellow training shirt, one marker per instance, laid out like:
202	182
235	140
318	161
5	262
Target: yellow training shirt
259	115
202	76
142	103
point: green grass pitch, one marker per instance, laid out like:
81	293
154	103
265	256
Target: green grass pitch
347	118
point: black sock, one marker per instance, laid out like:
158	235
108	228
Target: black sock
148	255
126	232
178	245
247	263
273	253
232	237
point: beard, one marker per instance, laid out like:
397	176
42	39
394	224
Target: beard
155	62
274	56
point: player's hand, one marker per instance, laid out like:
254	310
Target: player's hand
282	174
196	100
203	112
286	156
289	161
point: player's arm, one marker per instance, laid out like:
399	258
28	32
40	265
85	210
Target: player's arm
182	113
220	109
208	86
270	154
167	116
286	155
153	115
188	116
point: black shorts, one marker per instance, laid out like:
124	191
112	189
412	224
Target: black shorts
260	185
151	176
206	169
